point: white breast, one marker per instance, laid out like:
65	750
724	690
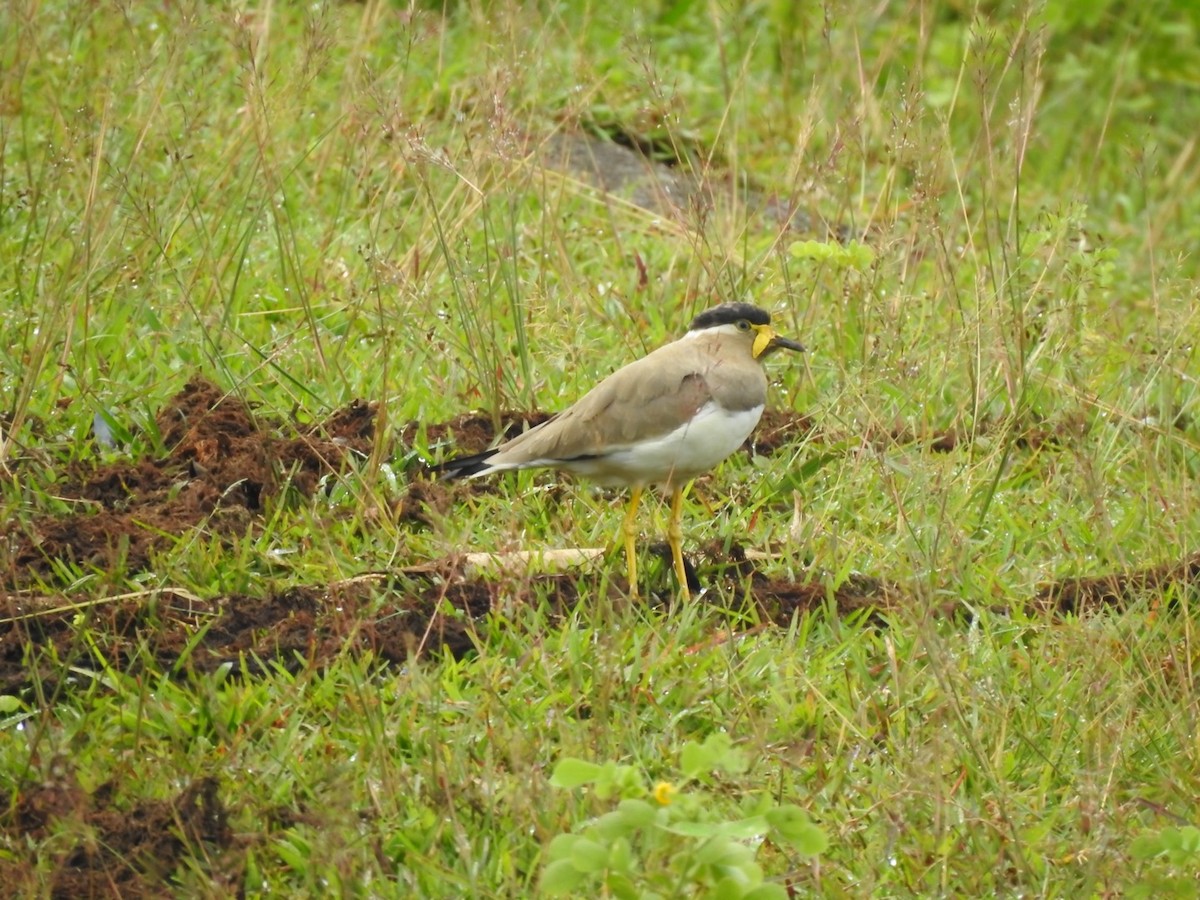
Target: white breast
676	457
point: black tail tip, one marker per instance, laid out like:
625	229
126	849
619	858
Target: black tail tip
463	466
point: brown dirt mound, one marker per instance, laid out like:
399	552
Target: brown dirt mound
1034	434
109	851
472	432
1086	594
776	429
404	615
394	617
223	465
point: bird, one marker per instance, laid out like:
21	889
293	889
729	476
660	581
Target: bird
659	421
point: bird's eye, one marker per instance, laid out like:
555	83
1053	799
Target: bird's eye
743	325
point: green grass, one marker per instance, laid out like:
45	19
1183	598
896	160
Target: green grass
310	203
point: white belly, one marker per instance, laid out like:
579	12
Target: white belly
676	457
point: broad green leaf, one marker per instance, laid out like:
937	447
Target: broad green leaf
725	756
740	829
620	856
694	760
791	825
617	780
859	256
818	250
728	888
622	886
589	856
699	760
724	852
561	879
572	773
734	761
852	255
810	840
612	825
1146	846
638	813
562	845
629	781
1189	839
718	743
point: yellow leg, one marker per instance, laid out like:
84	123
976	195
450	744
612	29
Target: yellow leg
630	528
675	539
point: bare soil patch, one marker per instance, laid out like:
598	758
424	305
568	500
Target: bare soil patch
226	463
106	848
222	466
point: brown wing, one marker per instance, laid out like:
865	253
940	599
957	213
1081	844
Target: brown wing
648	398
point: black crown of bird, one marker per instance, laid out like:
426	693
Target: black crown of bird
662	420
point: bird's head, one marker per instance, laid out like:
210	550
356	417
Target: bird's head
750	320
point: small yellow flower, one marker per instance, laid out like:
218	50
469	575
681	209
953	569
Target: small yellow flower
663	791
